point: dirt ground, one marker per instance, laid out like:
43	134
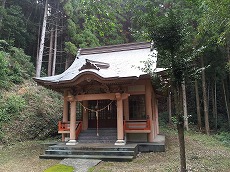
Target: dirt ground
204	153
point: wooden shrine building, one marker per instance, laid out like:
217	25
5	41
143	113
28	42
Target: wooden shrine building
106	87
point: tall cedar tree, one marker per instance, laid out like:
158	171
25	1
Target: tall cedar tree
171	38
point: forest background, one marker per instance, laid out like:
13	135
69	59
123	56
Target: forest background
74	24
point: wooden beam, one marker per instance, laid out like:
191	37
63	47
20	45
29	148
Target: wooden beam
106	96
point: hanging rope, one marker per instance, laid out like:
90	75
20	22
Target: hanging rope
97	123
96	111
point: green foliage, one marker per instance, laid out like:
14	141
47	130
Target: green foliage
43	118
4	45
60	168
70	48
4	116
14	104
92	24
224	137
15	66
11	107
29	113
4	70
215	21
21	63
163	119
14	29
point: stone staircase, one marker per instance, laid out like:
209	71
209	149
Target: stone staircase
91	146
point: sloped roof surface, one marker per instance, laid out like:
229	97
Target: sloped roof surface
121	61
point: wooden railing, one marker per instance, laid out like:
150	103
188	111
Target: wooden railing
78	129
139	125
64	127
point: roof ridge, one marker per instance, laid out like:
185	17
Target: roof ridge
115	48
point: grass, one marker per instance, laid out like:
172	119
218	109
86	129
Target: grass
24	157
60	168
203	153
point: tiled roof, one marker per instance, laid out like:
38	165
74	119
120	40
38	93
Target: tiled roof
119	61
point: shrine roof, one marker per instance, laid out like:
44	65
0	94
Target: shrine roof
107	62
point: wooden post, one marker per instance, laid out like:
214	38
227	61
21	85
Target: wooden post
72	140
148	103
154	114
65	113
65	108
126	108
120	128
157	121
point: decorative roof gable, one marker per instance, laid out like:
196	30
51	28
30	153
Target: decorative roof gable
90	64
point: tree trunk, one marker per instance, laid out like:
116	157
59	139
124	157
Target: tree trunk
226	103
55	48
3	3
185	106
50	52
180	129
170	107
213	100
180	125
198	106
208	94
228	50
1	16
207	130
215	105
42	41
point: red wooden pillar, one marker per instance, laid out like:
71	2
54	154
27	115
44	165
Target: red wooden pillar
157	121
65	113
148	103
72	140
120	128
126	109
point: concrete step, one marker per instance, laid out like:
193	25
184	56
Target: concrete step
132	147
101	157
107	152
90	152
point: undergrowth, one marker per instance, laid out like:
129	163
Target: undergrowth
30	112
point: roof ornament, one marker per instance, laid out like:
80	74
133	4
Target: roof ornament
78	53
90	64
152	46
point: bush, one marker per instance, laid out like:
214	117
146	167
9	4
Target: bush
224	137
31	112
21	64
4	70
15	66
10	107
14	104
